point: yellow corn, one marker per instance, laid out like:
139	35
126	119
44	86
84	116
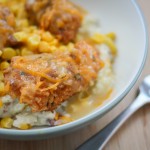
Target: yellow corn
23	23
44	47
25	52
14	9
54	48
1	76
70	46
56	116
25	126
46	36
63	48
111	45
111	35
54	42
8	53
6	122
21	36
2	87
31	29
100	39
33	42
4	65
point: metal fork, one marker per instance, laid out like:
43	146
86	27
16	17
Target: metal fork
99	140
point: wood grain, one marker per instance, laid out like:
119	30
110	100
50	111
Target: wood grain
134	135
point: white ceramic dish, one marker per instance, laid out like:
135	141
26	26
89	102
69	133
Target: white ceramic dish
126	20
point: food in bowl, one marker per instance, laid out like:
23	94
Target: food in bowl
55	64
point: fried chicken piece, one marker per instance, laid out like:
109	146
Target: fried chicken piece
36	8
44	81
7	25
61	17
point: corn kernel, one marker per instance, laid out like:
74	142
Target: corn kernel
21	36
23	23
8	53
25	126
53	48
111	45
44	47
14	9
111	35
34	41
6	122
4	65
56	116
25	52
70	46
47	37
32	29
62	48
1	76
98	38
54	42
2	87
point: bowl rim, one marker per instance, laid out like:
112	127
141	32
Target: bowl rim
94	115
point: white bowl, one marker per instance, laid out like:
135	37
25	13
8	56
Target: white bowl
125	19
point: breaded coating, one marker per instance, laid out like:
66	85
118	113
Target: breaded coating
61	17
44	81
7	24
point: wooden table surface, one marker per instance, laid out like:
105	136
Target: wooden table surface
134	134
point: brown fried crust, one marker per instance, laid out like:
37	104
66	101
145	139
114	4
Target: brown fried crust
44	81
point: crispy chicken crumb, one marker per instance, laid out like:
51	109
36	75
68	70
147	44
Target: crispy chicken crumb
44	81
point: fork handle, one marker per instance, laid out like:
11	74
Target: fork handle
99	140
